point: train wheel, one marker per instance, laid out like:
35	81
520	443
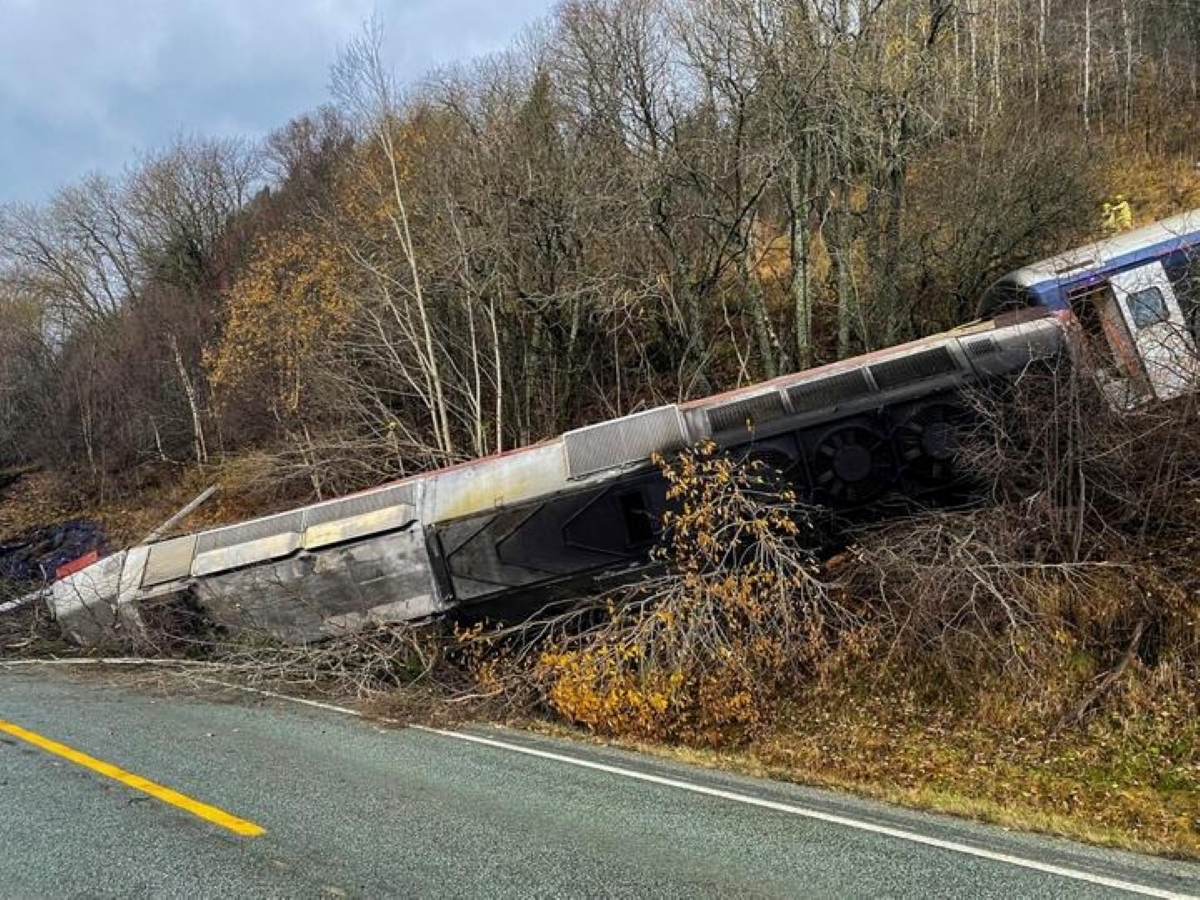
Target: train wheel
927	442
853	464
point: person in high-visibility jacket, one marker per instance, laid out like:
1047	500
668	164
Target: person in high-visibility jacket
1117	216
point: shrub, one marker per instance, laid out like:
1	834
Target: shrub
703	652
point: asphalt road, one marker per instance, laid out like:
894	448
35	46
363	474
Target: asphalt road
349	808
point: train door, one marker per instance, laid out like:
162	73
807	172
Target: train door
1107	350
1160	335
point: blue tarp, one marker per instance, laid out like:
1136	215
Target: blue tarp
35	555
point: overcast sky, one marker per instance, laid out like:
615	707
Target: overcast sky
89	84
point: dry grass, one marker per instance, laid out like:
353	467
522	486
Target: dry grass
34	499
1143	823
39	498
29	632
1130	779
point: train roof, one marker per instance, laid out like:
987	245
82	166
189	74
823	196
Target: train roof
583	457
1119	250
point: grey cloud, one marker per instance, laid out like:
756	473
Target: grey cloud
89	85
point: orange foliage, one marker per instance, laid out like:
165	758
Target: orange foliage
703	653
289	302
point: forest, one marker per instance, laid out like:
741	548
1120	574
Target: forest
640	201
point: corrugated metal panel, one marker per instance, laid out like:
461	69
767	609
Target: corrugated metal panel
338	531
752	410
980	347
169	560
245	553
623	441
915	367
360	504
826	392
251	531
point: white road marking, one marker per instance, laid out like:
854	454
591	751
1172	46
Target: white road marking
316	704
791	809
901	834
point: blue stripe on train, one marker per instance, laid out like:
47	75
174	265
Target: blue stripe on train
1053	292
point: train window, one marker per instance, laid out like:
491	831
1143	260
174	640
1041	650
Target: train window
1147	307
1183	270
639	520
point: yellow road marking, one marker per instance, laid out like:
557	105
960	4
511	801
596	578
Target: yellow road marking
137	782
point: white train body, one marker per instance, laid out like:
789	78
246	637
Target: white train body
559	518
542	520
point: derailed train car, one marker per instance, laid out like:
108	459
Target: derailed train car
563	516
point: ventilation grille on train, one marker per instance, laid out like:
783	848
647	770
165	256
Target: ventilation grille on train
360	504
628	440
895	373
169	560
172	560
980	347
742	413
813	395
286	523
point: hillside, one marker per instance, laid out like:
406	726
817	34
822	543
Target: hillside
645	201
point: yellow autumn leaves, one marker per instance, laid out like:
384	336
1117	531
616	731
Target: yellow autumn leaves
290	301
702	653
297	295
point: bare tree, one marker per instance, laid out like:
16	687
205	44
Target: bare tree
362	84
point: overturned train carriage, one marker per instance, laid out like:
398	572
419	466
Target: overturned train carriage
540	523
537	523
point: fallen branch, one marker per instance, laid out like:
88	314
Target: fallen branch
118	661
1105	684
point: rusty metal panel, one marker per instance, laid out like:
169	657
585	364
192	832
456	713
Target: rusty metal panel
903	370
220	538
169	560
829	391
631	439
751	411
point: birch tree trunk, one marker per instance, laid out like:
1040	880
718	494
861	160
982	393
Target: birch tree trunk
799	190
199	445
840	253
1087	65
